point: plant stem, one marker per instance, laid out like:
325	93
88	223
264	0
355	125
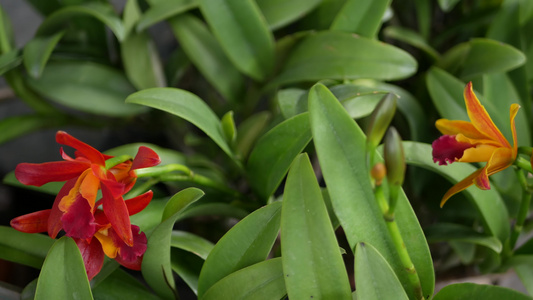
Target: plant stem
522	211
523	163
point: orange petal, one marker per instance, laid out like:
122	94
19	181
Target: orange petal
480	118
89	188
512	112
72	195
457	126
460	186
479	153
110	249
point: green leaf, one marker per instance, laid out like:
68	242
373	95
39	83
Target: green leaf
374	277
490	205
246	243
215	209
149	217
37	52
88	87
279	13
480	56
207	55
51	188
188	266
446	93
412	38
250	47
7	41
163	11
102	11
24	248
9	60
13	127
249	131
228	127
292	101
274	152
340	145
191	243
141	61
261	281
63	273
156	267
472	291
363	17
341	55
187	106
523	266
121	285
454	232
307	237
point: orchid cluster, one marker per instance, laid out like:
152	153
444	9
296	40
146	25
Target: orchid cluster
98	226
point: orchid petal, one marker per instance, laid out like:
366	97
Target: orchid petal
54	221
35	222
108	245
117	213
84	149
137	204
131	257
500	159
89	188
73	194
78	221
455	127
93	256
480	118
479	153
446	149
39	174
460	186
145	158
512	112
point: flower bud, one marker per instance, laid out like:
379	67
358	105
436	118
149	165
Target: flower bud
394	157
380	120
378	172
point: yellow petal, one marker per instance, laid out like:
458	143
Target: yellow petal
107	243
460	186
480	118
500	160
479	153
89	188
67	200
512	112
455	127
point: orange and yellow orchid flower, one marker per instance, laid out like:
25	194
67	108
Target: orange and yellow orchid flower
476	141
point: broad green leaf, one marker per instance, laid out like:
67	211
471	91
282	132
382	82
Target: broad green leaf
246	243
374	277
454	232
102	11
362	17
243	34
312	263
187	106
131	15
261	281
188	266
446	93
88	87
523	266
149	217
322	16
141	61
121	285
191	243
163	11
274	152
292	101
412	38
472	291
249	131
37	52
492	210
341	150
13	127
279	13
207	55
341	55
480	56
9	60
63	273
156	267
24	248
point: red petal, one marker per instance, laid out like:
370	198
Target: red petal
117	213
32	223
39	174
84	150
54	221
93	256
78	221
115	188
446	149
131	257
137	204
145	158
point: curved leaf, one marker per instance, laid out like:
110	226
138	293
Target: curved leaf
191	243
121	285
156	267
341	55
489	203
164	10
187	106
37	51
13	127
261	281
101	11
274	152
341	150
363	17
24	248
9	61
63	273
88	87
307	238
279	13
246	243
412	38
249	47
454	232
374	277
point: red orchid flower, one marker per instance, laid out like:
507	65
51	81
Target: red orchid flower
476	141
84	175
